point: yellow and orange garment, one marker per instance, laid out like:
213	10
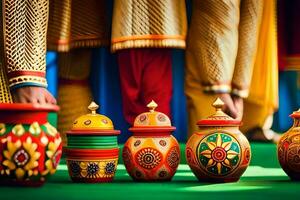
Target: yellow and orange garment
76	26
262	96
150	23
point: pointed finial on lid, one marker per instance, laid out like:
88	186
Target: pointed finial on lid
93	107
152	105
218	104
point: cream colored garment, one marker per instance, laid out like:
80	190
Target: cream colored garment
263	96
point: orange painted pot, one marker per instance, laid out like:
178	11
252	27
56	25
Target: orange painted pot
152	153
30	146
288	149
218	152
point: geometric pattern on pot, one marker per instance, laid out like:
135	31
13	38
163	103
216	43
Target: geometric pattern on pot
148	158
219	154
92	169
293	157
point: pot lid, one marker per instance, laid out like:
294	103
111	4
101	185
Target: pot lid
295	114
152	120
219	118
93	123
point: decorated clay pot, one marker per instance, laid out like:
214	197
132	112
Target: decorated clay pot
92	150
30	147
152	153
289	149
218	152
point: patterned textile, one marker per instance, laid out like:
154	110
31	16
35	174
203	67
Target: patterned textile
24	29
222	43
5	96
263	97
213	40
148	23
77	23
250	20
74	92
75	65
73	99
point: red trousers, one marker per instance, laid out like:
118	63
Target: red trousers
145	74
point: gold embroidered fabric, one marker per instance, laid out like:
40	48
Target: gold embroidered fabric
213	39
263	96
75	65
222	43
78	23
5	96
148	23
73	100
250	20
24	29
74	70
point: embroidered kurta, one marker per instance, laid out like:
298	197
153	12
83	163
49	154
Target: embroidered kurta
78	24
222	43
23	44
150	23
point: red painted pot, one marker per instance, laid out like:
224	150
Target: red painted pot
30	146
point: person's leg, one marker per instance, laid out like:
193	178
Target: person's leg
157	78
74	93
131	65
263	96
210	56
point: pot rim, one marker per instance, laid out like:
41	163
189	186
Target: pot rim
28	107
208	122
95	132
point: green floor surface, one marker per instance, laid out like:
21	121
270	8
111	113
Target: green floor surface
264	179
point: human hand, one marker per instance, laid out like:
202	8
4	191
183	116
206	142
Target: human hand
229	106
32	94
239	106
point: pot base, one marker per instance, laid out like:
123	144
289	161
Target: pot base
90	180
226	180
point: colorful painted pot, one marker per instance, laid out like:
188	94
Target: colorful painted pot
288	149
152	153
30	147
92	150
218	152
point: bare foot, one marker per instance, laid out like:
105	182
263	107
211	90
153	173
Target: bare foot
229	107
33	94
239	106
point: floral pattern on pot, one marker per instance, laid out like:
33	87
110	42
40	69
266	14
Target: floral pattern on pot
219	154
29	153
21	158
